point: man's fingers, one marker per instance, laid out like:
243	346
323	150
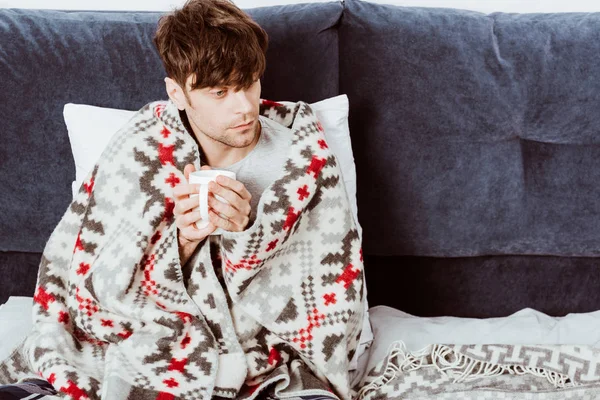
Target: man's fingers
231	217
225	224
184	205
194	234
236	186
221	208
207	230
186	224
240	217
190	218
232	197
185	189
185	219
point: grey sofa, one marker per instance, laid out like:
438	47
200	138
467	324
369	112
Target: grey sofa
476	139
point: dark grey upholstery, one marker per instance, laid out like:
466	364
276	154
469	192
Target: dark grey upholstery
478	134
475	138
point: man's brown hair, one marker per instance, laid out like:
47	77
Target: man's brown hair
214	41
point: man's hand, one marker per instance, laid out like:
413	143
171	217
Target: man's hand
233	217
188	235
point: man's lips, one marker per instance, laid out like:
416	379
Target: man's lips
247	125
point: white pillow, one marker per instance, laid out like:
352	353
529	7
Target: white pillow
91	128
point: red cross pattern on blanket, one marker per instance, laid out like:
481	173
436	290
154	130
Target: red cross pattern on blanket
304	335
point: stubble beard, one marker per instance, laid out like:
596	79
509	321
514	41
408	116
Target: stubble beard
230	139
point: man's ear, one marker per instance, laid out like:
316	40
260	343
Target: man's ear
175	93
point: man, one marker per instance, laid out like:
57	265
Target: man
133	303
214	56
217	89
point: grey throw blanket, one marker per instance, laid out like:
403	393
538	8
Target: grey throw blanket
114	321
485	372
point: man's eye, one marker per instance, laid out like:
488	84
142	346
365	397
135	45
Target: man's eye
220	93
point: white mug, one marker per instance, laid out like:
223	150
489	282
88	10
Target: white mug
202	178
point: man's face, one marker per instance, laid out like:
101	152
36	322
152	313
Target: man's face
224	115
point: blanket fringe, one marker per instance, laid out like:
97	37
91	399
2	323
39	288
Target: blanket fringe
459	367
398	359
465	369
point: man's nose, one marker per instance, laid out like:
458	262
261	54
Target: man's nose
243	102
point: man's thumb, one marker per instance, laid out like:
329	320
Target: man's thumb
188	170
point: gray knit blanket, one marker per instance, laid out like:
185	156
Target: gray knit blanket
276	309
479	372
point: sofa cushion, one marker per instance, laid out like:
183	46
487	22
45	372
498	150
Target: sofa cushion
49	58
302	59
477	133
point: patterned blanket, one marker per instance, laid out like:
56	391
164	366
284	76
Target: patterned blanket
277	309
478	372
